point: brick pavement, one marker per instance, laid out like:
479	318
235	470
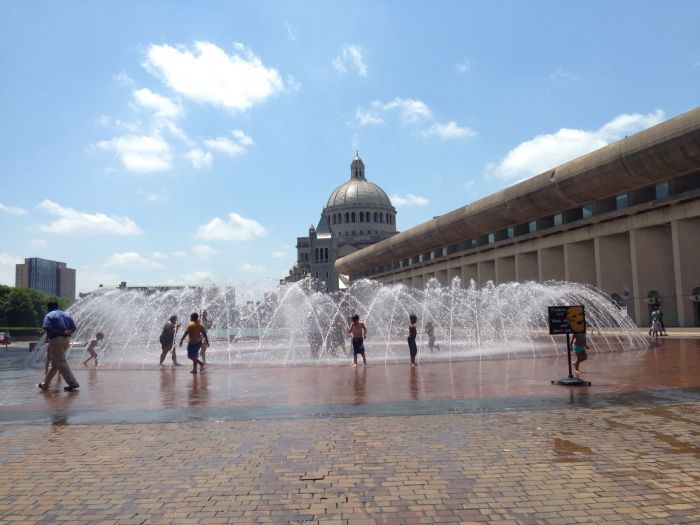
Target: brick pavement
613	465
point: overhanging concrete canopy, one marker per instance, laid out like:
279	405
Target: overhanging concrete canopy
666	150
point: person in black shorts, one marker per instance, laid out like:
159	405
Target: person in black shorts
358	332
412	333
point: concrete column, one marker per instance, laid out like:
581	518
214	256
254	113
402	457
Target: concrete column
579	262
652	260
441	276
487	271
613	264
526	267
686	266
551	264
452	273
505	269
417	282
470	272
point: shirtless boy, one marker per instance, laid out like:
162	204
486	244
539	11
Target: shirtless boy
358	332
197	334
99	336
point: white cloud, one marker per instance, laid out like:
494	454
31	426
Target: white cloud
197	276
161	106
410	111
203	251
170	255
123	79
200	159
38	243
12	210
140	153
162	195
7	268
236	229
251	268
463	66
206	73
545	152
73	221
232	148
131	259
351	56
449	130
408	200
469	184
291	31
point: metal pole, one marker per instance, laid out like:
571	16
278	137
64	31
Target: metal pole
568	354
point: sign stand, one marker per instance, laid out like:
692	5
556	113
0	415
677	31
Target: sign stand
570	380
565	320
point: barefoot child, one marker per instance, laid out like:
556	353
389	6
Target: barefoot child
579	347
197	333
430	330
412	333
99	336
358	332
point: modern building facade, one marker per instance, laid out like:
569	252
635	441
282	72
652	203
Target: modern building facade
624	218
358	214
49	277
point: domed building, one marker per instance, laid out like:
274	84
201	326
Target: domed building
358	213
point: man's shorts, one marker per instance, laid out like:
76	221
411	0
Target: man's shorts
580	350
193	350
358	346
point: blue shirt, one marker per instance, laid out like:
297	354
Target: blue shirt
58	320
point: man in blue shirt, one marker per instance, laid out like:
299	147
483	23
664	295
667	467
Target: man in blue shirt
58	326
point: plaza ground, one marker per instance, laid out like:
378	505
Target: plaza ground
449	442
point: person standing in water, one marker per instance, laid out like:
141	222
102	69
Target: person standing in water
430	330
579	346
167	339
412	333
59	326
206	324
358	332
197	334
99	336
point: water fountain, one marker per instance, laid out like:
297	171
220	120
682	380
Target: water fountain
297	324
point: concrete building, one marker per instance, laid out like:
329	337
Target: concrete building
358	214
624	218
49	277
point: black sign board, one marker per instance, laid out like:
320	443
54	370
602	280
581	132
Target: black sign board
567	320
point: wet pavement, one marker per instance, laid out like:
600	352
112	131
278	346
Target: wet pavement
448	442
662	374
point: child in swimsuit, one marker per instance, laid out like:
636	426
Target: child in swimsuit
579	347
99	336
358	332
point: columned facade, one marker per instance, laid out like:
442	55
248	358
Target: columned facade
624	219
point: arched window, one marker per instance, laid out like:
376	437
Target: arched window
347	217
316	255
362	216
326	274
325	252
381	217
334	218
352	216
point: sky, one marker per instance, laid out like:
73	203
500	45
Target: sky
177	142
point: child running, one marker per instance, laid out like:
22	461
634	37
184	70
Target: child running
579	347
197	333
99	336
412	333
430	330
358	332
655	329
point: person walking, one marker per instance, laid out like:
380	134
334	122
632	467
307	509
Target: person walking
167	339
197	334
59	326
412	333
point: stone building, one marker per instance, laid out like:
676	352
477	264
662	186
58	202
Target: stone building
624	218
358	214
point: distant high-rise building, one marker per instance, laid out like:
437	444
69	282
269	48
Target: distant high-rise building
49	277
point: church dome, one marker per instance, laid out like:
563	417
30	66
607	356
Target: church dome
358	191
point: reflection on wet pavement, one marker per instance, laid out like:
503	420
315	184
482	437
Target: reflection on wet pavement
652	377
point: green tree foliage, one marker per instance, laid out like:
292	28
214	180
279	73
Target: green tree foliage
24	307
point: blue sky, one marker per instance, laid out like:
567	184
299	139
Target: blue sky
158	142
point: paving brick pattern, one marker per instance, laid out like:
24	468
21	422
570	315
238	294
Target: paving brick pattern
617	465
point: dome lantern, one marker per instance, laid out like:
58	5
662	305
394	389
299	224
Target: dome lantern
357	168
